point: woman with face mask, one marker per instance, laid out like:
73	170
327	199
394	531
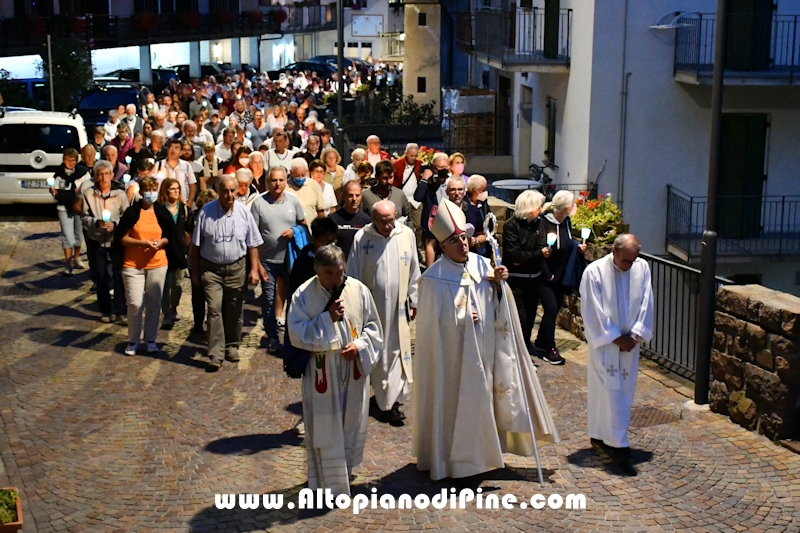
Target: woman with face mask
146	243
241	159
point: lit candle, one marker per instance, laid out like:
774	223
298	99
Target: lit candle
551	239
585	234
128	159
51	182
126	178
106	214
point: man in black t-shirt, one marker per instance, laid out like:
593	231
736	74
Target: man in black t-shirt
350	218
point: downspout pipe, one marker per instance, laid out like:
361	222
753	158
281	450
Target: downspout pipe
623	107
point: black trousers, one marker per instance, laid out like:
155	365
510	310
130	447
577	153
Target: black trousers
107	278
529	293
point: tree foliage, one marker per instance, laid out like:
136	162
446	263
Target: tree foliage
72	71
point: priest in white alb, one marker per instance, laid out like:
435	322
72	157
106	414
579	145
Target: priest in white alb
335	319
383	258
476	394
617	311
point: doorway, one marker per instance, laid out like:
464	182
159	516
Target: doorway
749	35
742	157
504	124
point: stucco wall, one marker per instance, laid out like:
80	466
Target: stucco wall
422	57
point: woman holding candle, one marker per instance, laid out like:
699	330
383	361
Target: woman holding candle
101	210
146	244
525	250
565	250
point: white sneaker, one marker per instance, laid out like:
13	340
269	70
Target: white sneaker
77	263
300	429
111	292
68	271
131	349
152	347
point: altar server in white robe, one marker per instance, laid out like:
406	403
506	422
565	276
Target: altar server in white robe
382	257
617	310
335	318
474	396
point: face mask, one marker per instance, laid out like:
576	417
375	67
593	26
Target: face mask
459	168
244	162
483	196
443	174
131	117
150	196
299	181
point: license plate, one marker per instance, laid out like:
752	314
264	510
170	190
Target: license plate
34	184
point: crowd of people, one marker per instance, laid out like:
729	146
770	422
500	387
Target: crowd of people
347	258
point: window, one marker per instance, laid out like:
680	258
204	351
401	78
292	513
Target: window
423	19
27	138
550	140
355	4
421	84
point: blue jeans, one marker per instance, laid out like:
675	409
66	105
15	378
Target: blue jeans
274	270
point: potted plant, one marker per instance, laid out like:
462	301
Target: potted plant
10	510
603	217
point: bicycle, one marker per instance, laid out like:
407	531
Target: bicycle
537	173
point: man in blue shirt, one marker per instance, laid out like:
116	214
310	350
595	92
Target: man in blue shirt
225	239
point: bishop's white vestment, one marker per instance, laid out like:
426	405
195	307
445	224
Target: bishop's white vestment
388	266
335	391
614	303
474	399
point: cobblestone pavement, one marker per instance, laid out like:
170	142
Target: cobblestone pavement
101	442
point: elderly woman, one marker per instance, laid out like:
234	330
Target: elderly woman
147	244
111	125
524	253
246	192
313	149
334	173
241	112
476	193
317	172
257	166
351	172
101	211
123	141
556	220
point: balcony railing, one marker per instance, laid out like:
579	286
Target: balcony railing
28	35
747	225
311	18
517	39
763	48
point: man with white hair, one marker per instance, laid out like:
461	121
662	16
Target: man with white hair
190	136
374	152
307	190
617	310
382	258
111	125
335	319
225	240
162	124
135	123
475	397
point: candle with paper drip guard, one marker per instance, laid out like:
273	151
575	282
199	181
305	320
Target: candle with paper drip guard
51	182
126	178
106	214
551	239
585	234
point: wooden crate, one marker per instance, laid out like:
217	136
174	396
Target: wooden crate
473	134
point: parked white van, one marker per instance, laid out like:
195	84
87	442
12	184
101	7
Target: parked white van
31	148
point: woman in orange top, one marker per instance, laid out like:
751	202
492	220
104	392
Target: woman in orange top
147	240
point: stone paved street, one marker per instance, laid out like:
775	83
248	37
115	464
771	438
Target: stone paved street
97	441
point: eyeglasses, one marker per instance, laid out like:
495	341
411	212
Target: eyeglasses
457	239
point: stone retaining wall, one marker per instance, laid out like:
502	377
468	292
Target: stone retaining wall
756	360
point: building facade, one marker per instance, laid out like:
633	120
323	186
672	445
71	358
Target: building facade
621	90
